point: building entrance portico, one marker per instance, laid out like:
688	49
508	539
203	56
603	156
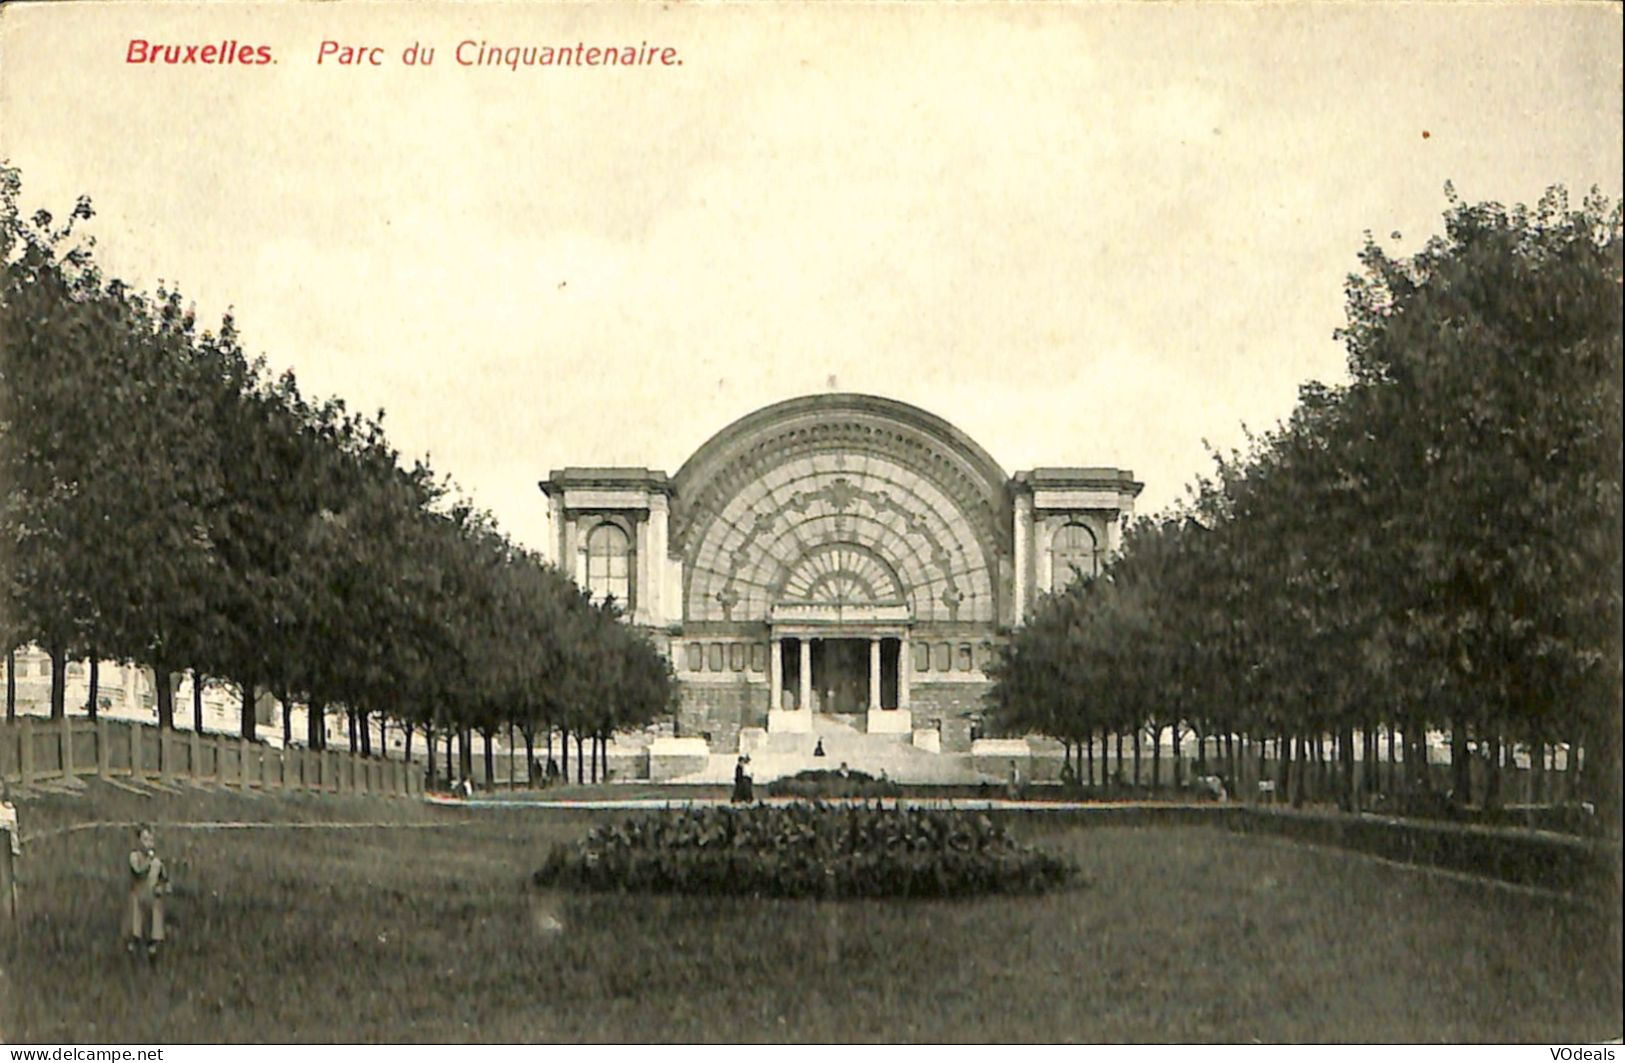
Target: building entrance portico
838	672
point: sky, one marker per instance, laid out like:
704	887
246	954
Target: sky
1087	234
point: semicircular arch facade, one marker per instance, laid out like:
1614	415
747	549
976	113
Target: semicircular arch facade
788	483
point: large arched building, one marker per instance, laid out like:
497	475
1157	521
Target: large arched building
838	555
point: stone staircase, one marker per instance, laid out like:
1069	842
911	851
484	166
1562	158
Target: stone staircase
774	755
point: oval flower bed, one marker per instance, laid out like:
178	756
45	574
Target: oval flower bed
805	850
820	784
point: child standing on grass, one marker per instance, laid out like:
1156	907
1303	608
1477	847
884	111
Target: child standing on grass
149	881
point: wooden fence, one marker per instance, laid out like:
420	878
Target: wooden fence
42	751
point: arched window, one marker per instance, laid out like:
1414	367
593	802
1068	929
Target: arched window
1074	555
609	564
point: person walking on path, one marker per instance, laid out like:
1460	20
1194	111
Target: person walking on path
744	790
149	882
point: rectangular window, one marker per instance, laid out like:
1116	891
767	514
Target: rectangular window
736	656
941	657
964	657
922	656
715	655
758	658
696	656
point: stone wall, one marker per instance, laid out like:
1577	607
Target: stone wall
949	706
720	710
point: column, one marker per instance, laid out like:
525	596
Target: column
555	518
654	593
775	674
905	663
806	674
641	573
1043	553
874	674
1021	531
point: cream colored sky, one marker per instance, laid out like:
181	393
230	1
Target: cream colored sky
1086	234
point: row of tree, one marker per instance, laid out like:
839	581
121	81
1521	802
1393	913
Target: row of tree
168	502
1433	546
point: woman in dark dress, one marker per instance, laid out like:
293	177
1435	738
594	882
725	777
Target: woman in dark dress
743	790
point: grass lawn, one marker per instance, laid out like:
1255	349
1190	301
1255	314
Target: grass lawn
376	934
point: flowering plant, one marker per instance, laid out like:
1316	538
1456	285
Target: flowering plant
805	850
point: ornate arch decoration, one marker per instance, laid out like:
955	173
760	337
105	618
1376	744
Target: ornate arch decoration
783	485
840	573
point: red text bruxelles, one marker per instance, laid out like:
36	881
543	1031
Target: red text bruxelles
223	54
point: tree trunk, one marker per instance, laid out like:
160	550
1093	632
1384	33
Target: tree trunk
365	731
349	720
59	682
287	723
1388	781
592	751
1492	784
165	695
246	723
1089	751
428	744
1461	765
197	702
1120	778
451	770
1418	773
513	780
581	775
406	754
1230	767
11	685
490	761
564	753
530	755
1350	784
1136	757
1156	757
316	724
95	687
465	751
1301	776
